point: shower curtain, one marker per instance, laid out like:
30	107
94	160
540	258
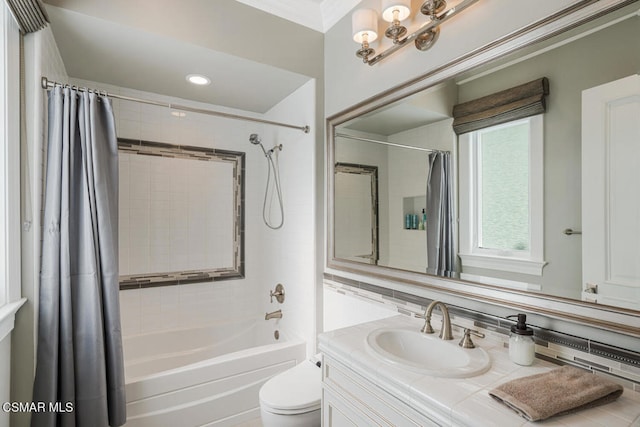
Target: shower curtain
440	219
79	360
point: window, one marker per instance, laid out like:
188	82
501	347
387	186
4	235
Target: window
501	200
9	158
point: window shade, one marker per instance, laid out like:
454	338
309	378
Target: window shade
30	14
511	104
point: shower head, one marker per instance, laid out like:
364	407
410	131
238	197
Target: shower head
254	139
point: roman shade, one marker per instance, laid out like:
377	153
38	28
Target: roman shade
511	104
30	14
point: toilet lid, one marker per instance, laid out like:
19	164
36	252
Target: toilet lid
296	390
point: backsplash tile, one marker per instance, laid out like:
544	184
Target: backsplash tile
620	365
615	353
562	339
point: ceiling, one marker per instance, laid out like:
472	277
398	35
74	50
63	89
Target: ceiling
319	15
425	107
256	52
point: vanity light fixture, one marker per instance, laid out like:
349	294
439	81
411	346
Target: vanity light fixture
198	79
395	11
364	25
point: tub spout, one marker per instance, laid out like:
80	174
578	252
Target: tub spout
273	315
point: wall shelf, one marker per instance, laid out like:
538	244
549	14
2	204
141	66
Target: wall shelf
413	205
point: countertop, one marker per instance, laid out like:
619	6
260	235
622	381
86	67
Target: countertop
463	402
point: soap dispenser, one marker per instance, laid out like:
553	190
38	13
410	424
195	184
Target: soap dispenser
522	348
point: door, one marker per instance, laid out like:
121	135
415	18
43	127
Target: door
611	194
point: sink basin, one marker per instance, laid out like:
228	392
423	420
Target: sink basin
426	353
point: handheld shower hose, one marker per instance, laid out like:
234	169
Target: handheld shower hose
255	140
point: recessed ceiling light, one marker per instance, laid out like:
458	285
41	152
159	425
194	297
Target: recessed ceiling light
178	114
198	79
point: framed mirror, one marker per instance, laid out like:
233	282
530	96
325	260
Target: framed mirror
538	250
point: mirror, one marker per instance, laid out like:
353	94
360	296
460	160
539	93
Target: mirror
602	50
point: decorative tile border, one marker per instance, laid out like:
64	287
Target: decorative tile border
620	365
138	281
237	159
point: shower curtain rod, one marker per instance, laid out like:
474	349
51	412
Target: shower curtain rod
392	144
46	83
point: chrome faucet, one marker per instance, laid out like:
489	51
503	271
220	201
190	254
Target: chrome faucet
273	315
445	332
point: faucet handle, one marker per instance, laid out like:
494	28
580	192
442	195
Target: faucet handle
427	328
466	341
279	293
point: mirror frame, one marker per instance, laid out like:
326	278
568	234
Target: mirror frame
372	173
608	318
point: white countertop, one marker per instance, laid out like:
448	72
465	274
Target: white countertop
463	402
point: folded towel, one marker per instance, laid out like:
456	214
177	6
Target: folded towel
556	392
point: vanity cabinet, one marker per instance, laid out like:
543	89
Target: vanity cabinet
349	399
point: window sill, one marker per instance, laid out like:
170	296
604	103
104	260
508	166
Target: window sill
8	315
512	265
511	284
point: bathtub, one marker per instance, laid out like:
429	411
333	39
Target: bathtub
206	376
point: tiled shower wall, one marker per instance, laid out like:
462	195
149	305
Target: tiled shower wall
177	221
283	256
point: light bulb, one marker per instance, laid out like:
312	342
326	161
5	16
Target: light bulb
364	21
198	79
396	10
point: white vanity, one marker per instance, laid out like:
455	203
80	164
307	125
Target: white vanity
375	374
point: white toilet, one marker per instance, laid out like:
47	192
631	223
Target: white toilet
292	398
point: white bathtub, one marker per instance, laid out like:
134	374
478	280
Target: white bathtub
203	377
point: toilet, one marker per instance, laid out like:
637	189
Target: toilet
292	398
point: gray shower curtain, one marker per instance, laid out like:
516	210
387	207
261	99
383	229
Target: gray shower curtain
440	225
79	358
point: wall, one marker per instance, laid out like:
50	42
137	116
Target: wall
408	172
349	81
343	310
289	255
5	374
9	195
180	221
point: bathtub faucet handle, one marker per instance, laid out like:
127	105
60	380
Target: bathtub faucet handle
278	293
